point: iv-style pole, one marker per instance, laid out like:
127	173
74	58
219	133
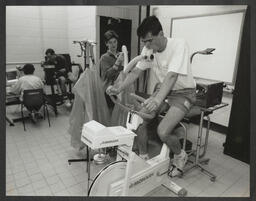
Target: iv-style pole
86	47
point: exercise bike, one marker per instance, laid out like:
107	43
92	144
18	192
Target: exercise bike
131	175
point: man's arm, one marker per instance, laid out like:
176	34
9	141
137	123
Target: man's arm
167	85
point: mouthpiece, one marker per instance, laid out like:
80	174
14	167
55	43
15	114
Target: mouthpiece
148	55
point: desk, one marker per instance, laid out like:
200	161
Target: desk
11	99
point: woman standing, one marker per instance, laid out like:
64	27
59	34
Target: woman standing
111	63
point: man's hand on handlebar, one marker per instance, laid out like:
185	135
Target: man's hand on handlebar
111	90
151	104
143	115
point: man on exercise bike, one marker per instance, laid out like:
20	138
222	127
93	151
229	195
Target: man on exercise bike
170	63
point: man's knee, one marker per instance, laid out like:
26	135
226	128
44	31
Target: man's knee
162	133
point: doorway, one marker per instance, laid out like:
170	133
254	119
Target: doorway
122	27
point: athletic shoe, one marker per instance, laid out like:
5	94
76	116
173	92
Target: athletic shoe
178	164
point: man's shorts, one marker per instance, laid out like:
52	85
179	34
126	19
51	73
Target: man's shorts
182	99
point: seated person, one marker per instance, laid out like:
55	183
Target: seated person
61	68
111	63
172	68
26	81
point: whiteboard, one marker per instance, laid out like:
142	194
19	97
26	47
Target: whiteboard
220	31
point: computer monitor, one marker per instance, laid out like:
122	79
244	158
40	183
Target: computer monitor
11	77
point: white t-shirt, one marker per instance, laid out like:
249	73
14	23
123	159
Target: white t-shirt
27	82
175	58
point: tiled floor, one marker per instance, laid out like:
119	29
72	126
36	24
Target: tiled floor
36	164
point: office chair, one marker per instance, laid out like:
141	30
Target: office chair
33	100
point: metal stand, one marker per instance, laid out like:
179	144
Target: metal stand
198	161
84	45
88	169
81	160
85	52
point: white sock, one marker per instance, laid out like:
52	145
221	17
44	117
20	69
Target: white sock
144	156
181	153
